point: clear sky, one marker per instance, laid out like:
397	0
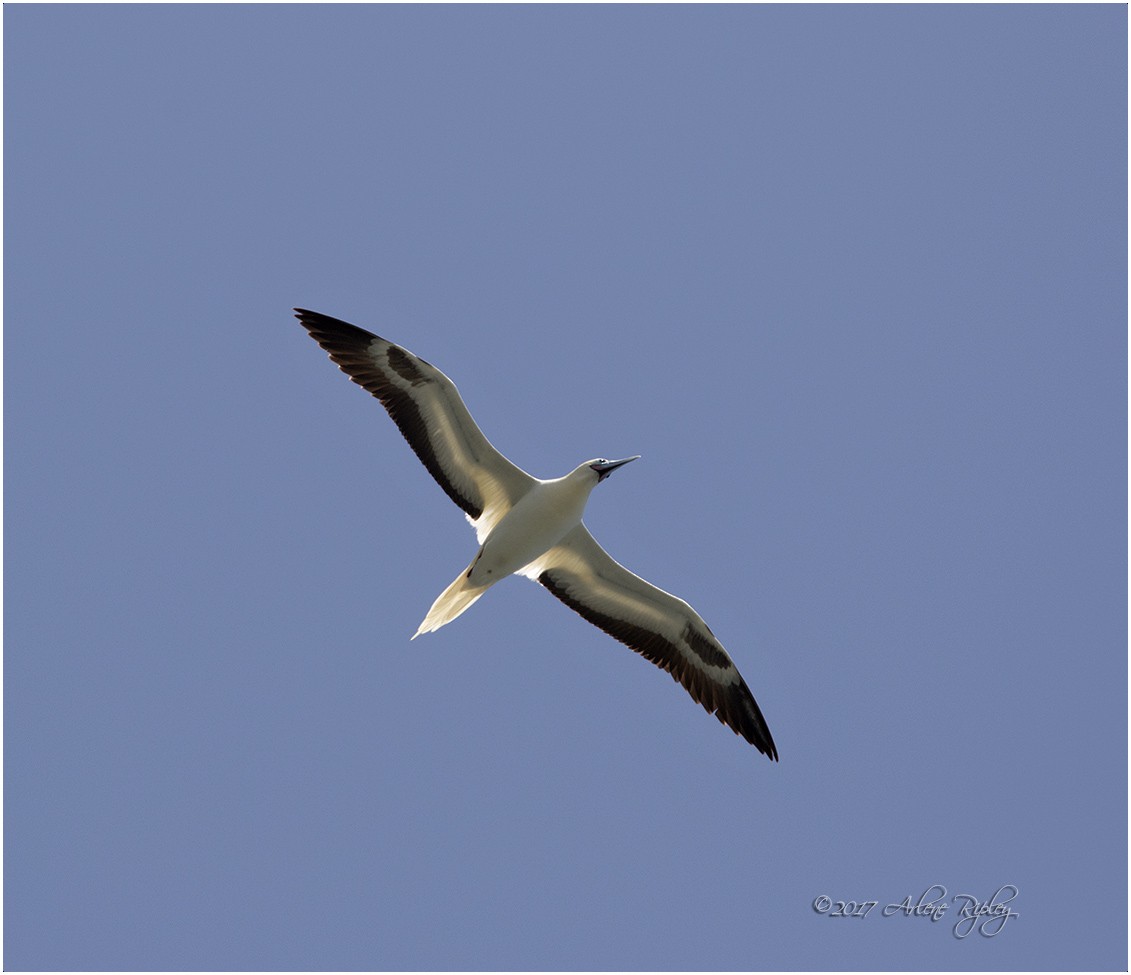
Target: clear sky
851	279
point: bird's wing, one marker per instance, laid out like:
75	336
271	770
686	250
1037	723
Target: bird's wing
426	406
656	625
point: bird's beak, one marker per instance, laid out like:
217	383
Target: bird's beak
605	468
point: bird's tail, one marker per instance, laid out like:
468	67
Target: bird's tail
452	602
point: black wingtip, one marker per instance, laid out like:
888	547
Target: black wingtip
309	318
766	743
759	733
331	332
763	742
306	315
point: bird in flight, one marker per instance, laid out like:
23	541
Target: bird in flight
533	528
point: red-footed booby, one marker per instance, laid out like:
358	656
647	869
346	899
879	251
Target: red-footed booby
531	527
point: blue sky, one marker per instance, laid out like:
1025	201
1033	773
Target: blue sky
851	279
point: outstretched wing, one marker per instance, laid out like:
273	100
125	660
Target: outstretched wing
426	406
656	625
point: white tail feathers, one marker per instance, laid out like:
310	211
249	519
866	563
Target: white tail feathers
452	602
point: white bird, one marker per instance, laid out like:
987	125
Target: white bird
533	528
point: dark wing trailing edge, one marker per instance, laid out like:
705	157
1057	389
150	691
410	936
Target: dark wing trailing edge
657	625
427	407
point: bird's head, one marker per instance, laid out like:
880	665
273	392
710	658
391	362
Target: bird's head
603	468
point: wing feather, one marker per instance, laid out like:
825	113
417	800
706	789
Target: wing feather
659	626
428	410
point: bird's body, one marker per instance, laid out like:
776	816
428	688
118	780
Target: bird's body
534	528
542	516
537	522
